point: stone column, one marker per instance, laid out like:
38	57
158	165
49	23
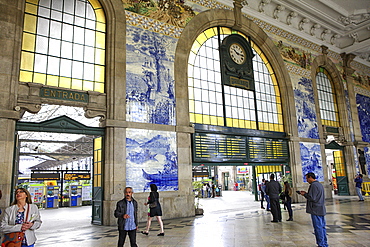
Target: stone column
11	23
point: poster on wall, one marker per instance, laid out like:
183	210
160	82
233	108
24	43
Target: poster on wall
151	157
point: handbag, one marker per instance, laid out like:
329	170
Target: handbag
153	204
282	196
14	239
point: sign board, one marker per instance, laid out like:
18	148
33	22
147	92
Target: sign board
55	93
77	176
45	176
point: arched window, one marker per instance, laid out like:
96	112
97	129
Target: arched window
64	44
211	102
327	98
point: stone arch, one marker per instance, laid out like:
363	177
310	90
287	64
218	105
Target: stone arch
336	78
221	17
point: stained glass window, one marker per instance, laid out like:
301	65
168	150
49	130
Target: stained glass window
64	44
327	98
212	103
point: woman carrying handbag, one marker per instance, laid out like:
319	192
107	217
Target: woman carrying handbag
20	220
155	209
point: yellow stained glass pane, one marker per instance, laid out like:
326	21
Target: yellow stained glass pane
201	38
76	84
229	122
65	82
28	42
52	80
98	141
29	23
100	27
25	76
100	40
209	33
235	123
195	47
269	68
27	61
220	121
100	16
31	8
192	118
198	118
88	85
225	30
95	4
214	120
39	78
206	119
99	73
100	56
33	1
99	87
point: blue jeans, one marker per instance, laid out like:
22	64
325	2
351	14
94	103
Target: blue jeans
359	193
268	202
319	223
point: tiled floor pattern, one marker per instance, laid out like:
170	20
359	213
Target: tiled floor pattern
232	220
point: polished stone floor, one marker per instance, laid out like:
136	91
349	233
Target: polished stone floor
234	219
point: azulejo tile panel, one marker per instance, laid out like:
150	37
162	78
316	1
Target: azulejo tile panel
151	158
367	158
150	91
305	106
311	160
363	103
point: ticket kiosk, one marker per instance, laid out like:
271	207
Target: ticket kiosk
52	197
75	195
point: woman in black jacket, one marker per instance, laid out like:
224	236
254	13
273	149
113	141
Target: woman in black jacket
155	209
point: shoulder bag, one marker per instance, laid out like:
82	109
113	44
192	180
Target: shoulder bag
14	239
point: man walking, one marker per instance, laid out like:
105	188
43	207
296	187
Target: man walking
358	181
126	212
316	207
273	190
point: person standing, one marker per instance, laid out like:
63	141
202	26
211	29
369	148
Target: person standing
155	209
358	181
126	214
316	207
288	200
262	192
273	190
267	198
22	216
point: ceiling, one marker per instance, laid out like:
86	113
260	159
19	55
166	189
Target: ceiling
341	25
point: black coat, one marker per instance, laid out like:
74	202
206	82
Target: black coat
121	210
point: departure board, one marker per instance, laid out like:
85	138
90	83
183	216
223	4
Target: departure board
209	147
267	149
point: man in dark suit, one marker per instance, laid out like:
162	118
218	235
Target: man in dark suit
126	212
273	190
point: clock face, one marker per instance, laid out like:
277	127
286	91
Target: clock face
237	53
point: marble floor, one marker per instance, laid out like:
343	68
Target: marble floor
234	219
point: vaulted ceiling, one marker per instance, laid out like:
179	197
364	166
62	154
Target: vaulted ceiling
341	25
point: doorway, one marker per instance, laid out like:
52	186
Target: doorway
60	160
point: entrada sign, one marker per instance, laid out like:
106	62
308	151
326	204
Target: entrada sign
63	94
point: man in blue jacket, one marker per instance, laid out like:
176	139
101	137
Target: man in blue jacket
126	212
358	181
316	207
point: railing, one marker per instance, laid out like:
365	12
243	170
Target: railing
366	188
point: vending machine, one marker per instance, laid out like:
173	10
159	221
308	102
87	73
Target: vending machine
52	197
75	195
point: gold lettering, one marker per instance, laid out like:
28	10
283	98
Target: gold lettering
65	95
46	92
77	96
83	97
71	96
59	92
53	93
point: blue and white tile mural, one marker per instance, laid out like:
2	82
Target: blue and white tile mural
151	157
311	160
363	103
367	158
150	95
305	106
